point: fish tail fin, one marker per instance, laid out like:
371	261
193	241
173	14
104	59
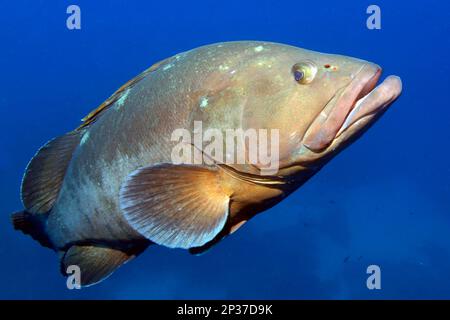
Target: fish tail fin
32	225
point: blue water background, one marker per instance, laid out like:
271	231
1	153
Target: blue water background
384	201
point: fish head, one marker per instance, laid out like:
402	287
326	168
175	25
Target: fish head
319	102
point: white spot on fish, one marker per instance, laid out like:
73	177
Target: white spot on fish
264	63
122	99
303	150
203	102
167	66
84	138
258	48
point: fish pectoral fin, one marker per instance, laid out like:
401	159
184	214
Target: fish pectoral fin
96	263
178	206
45	172
197	251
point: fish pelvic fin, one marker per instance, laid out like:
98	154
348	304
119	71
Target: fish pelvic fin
178	206
95	262
32	225
45	173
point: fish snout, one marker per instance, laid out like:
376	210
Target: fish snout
349	113
326	126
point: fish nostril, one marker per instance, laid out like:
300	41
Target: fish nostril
330	67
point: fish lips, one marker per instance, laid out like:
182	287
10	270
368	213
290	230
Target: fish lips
353	107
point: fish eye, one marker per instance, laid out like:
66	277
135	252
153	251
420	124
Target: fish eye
298	75
304	72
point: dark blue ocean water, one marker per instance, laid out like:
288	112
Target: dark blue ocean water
384	201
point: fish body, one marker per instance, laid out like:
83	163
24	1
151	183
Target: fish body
104	192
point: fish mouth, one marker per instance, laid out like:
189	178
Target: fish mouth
352	108
372	100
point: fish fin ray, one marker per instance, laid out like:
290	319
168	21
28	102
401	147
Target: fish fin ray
96	263
45	173
190	211
228	230
32	225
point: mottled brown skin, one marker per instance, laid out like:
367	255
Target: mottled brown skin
247	85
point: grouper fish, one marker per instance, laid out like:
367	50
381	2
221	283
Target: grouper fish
101	194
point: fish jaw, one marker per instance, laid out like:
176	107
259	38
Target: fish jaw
324	128
352	109
375	102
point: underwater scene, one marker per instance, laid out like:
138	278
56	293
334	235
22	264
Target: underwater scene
117	180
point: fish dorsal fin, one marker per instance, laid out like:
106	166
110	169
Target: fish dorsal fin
93	115
178	206
45	172
96	263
